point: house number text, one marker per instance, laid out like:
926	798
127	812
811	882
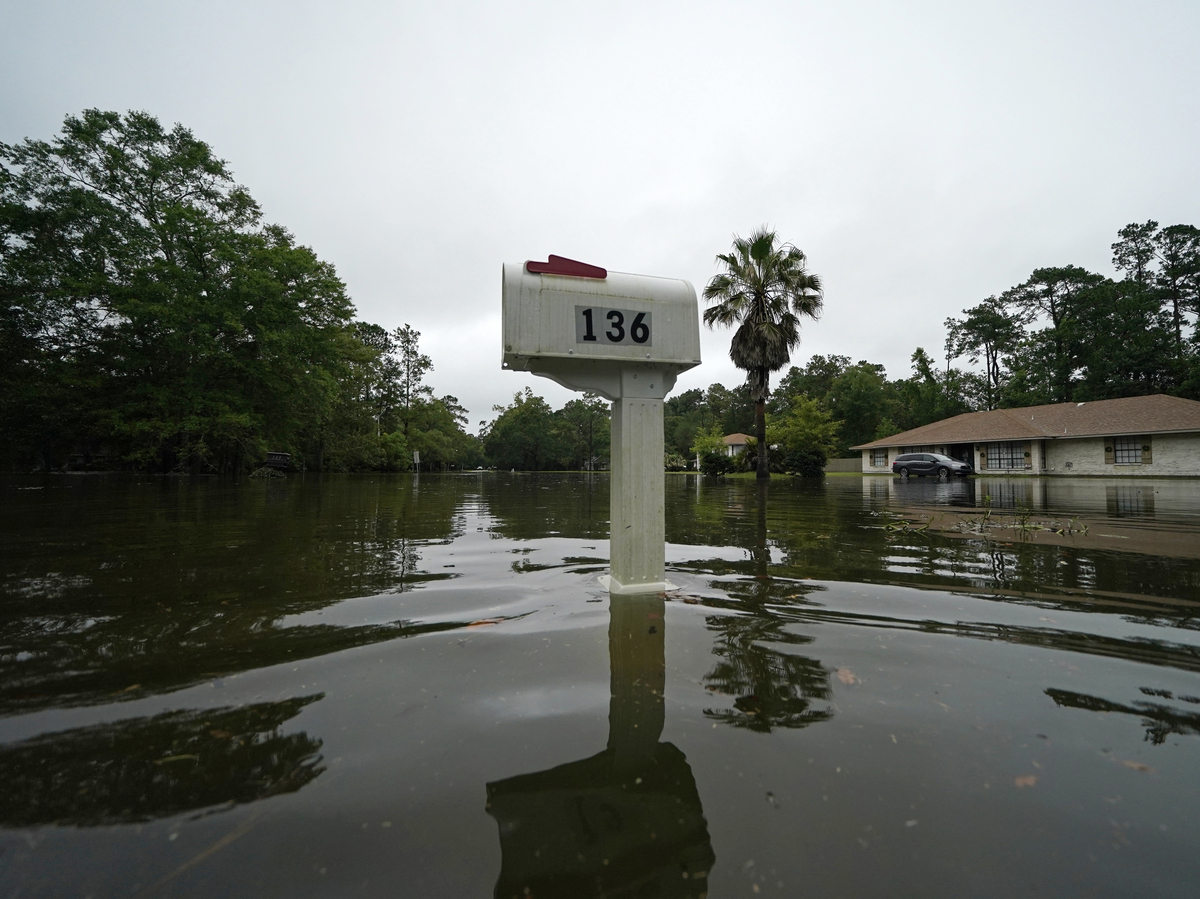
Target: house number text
615	327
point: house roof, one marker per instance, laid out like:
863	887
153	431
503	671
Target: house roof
1157	414
736	439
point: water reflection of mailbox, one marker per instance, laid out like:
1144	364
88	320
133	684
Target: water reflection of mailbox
626	337
626	821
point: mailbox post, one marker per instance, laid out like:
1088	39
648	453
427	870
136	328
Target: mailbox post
627	338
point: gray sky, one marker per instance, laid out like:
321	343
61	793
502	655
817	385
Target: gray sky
923	155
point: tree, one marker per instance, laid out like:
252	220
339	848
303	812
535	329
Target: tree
764	290
1179	275
1124	345
814	380
380	375
927	396
135	271
808	436
411	367
710	448
684	415
1136	251
587	427
859	400
525	435
1053	294
986	333
435	432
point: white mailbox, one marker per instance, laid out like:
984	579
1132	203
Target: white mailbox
626	337
582	326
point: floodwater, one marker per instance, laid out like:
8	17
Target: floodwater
403	686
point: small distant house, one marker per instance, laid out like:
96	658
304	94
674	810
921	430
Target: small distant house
736	443
1141	435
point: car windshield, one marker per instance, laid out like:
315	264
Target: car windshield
940	458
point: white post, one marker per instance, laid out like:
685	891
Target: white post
636	551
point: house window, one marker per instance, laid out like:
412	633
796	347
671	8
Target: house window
1127	450
1009	454
878	458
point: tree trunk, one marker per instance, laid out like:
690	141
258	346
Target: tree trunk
760	427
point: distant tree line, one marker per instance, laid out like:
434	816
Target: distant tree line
150	319
528	435
1069	335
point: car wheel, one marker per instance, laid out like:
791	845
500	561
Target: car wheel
903	472
943	473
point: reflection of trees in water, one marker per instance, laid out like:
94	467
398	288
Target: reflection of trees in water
128	657
288	546
145	768
167	583
774	688
1160	720
531	506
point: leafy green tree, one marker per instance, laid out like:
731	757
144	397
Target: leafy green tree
1165	260
731	409
586	425
1053	295
987	332
1031	380
684	416
411	366
814	380
525	435
710	448
380	376
807	434
435	431
763	290
1179	275
928	395
356	435
149	316
1136	252
859	400
1124	345
135	272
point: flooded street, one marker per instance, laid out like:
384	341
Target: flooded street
416	686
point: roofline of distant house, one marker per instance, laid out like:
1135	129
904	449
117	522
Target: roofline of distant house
892	441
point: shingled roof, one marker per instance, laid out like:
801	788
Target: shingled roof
1157	414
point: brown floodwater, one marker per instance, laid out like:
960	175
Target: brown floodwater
416	686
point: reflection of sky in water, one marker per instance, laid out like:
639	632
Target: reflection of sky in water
546	702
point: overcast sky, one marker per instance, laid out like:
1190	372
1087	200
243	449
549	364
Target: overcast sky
923	155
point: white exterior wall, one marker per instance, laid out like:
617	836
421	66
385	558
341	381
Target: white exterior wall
1171	454
1037	453
886	468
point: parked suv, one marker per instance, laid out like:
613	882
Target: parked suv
929	463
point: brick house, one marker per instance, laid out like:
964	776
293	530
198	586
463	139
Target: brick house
1142	435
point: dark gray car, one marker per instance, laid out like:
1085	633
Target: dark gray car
929	463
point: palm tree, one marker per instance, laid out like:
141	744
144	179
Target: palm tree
764	290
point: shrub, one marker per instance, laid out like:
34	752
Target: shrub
715	464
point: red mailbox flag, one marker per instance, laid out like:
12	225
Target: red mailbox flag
561	265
